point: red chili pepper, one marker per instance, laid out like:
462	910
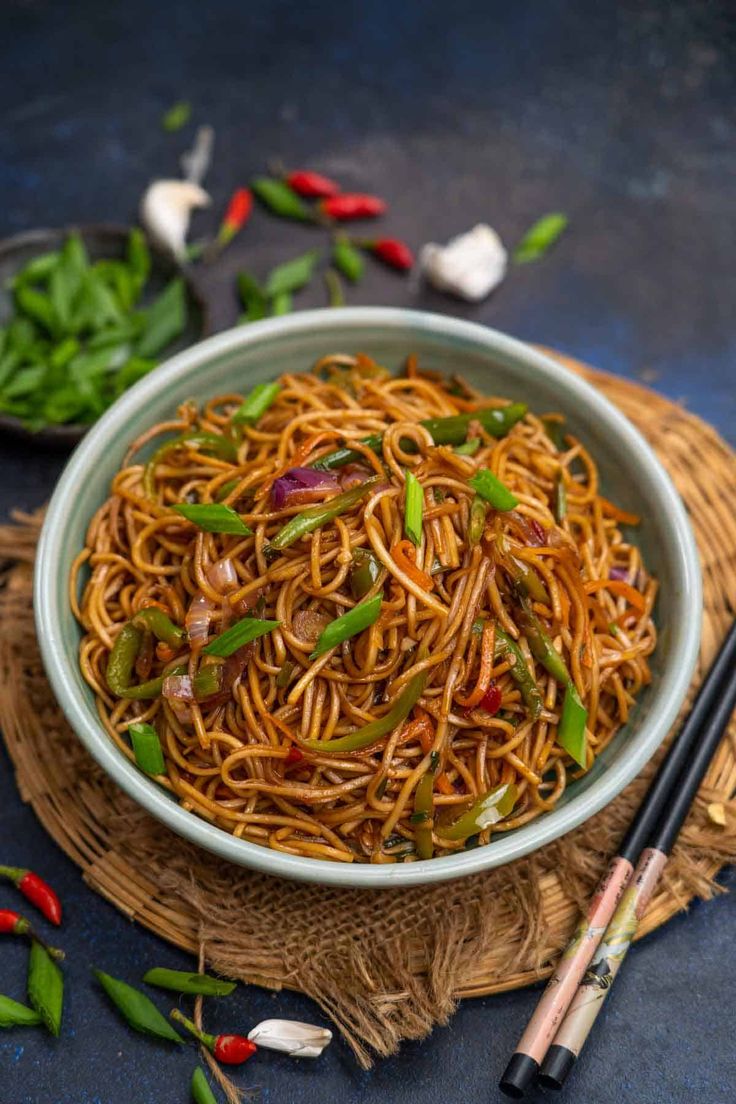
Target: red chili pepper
312	184
12	923
491	700
36	890
294	756
344	207
237	214
232	1050
392	252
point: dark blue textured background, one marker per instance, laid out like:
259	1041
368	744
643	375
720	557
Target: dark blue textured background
619	114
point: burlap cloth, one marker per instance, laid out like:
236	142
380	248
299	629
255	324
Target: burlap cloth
384	965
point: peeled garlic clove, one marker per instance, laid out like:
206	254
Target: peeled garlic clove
300	1040
470	265
166	209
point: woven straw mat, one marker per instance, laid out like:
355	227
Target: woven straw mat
388	965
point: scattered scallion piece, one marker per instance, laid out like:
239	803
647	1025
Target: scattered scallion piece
242	632
201	1091
137	1009
257	403
468	448
45	987
181	981
177	116
147	748
292	275
213	517
350	624
540	237
490	487
414	508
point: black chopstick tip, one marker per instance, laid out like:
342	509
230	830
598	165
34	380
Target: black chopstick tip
518	1076
556	1066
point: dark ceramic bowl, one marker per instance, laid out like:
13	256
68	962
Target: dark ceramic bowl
101	242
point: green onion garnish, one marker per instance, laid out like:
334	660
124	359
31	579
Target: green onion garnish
571	732
469	448
213	517
354	621
540	237
242	632
490	487
257	403
413	508
147	748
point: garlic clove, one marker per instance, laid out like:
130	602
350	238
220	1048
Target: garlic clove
299	1040
166	209
470	265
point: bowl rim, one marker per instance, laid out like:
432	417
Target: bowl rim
682	649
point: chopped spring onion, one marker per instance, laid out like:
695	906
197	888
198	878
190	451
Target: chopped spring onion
490	487
540	237
413	508
257	403
147	748
469	448
354	621
213	517
571	731
242	632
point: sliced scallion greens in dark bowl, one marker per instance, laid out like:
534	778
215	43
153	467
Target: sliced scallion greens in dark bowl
84	313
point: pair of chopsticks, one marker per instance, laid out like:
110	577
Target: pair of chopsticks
575	993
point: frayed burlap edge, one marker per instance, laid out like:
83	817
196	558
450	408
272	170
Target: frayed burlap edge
384	967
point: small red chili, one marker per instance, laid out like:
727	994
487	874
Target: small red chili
12	923
232	1050
352	206
237	214
392	252
294	756
35	890
491	700
312	185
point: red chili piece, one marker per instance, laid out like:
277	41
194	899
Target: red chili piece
491	700
294	756
12	923
35	890
393	252
237	214
232	1050
349	206
312	184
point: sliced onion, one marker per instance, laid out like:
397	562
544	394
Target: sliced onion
197	620
223	576
299	485
619	573
353	475
178	688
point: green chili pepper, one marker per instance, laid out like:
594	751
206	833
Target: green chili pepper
365	572
317	516
490	487
45	987
443	431
163	628
257	403
292	275
281	199
227	489
283	678
354	621
477	520
147	748
122	657
203	442
182	981
540	237
253	298
348	259
571	731
213	517
469	448
207	681
242	632
507	647
13	1014
136	1008
560	498
201	1091
370	733
177	116
487	810
423	815
525	578
540	644
413	508
556	432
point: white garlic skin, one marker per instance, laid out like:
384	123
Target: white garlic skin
166	210
470	265
300	1040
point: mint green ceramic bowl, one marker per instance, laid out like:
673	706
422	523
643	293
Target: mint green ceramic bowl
497	364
